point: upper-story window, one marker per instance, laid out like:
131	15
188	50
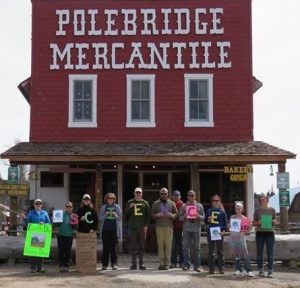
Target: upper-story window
140	101
198	100
82	101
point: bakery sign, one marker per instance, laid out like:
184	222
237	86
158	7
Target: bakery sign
238	173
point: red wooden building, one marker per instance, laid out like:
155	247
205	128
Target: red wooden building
142	93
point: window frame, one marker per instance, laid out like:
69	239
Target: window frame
133	123
82	124
198	123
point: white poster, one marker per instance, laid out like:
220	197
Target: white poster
215	233
57	216
235	225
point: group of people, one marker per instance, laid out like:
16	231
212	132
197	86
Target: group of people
178	228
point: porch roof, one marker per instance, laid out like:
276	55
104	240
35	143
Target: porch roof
251	152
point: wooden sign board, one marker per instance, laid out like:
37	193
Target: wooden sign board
86	252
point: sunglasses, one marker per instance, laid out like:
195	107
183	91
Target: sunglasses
38	203
86	199
68	206
163	193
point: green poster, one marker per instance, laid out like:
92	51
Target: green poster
38	240
266	222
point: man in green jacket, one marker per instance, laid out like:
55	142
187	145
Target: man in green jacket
137	215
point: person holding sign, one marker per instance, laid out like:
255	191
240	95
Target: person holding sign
38	216
87	216
191	214
164	212
110	230
238	227
137	214
65	237
177	250
216	221
264	220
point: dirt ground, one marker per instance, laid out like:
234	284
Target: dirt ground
19	276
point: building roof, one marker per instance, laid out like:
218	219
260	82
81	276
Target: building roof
252	152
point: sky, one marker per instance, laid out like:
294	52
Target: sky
276	60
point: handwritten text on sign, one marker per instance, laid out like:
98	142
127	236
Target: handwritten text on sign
38	240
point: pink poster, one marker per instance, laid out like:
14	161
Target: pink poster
191	212
245	224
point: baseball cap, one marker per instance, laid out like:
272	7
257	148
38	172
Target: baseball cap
191	192
38	200
86	196
239	205
176	193
138	189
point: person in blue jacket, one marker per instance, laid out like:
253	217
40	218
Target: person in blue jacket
216	217
38	216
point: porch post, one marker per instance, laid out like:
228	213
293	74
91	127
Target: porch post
120	202
98	188
195	183
284	217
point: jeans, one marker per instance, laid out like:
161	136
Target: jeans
211	253
191	239
238	264
177	247
64	244
269	240
137	240
36	263
109	240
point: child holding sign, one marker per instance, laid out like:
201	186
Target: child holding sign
239	226
110	230
264	219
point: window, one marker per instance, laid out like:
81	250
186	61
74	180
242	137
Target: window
140	101
198	100
49	179
82	101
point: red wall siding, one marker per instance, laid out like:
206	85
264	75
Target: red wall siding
232	87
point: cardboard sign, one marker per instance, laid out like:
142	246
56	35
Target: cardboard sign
110	216
86	252
245	225
57	216
235	225
191	211
266	222
164	209
74	219
137	209
215	233
38	240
